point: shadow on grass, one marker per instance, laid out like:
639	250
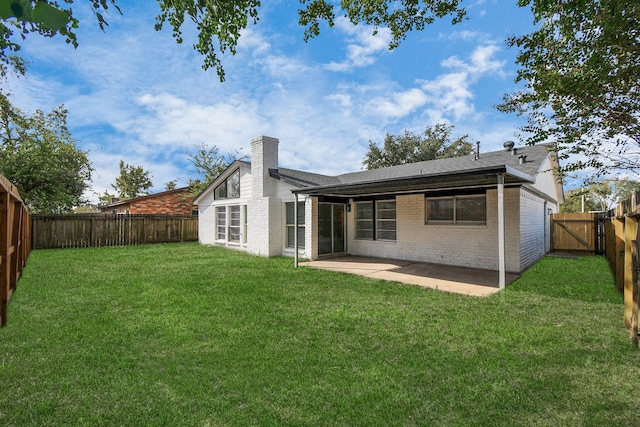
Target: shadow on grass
587	279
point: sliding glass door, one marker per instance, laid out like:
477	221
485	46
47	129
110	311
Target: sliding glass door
331	228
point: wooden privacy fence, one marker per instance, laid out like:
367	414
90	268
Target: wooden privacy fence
90	230
578	233
15	242
623	238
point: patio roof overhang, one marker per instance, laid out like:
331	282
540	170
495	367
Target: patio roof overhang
480	177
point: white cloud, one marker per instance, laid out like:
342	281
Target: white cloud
399	104
362	46
481	62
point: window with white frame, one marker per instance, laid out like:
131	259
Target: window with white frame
229	188
376	220
386	220
221	223
234	224
290	224
461	210
364	220
244	235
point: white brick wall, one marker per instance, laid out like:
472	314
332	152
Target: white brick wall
264	156
532	229
264	226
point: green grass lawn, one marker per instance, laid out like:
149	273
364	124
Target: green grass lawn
182	334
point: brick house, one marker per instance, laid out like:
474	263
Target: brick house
171	202
488	210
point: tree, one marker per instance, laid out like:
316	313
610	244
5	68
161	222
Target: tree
578	200
208	164
106	198
132	182
602	195
434	143
38	155
581	69
221	22
171	185
46	18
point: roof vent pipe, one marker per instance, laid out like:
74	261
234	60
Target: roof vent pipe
508	145
522	159
477	150
514	151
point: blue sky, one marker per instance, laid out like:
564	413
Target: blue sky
133	94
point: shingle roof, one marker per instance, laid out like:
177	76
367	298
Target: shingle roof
535	155
303	179
519	166
464	170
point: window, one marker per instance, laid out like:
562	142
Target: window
230	188
244	236
234	224
376	220
221	223
364	220
457	210
290	224
386	220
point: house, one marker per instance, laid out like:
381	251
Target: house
172	202
488	210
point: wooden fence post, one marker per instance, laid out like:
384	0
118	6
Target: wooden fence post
630	275
619	253
5	270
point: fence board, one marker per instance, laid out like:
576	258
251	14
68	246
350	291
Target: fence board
85	230
15	242
574	233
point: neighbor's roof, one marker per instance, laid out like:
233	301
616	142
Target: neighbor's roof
140	198
454	172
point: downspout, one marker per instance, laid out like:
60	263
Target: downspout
295	230
501	241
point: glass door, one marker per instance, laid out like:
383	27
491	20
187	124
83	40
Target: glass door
331	228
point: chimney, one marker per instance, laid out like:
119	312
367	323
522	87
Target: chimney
264	156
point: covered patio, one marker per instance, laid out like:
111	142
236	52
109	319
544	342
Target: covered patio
459	280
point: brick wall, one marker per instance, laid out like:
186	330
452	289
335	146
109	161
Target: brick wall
532	229
469	246
169	204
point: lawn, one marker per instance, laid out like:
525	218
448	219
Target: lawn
182	334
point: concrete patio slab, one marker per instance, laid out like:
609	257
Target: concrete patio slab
459	280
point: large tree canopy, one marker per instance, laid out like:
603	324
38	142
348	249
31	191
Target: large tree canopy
220	22
434	143
38	155
581	68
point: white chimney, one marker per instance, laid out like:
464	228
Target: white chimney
264	156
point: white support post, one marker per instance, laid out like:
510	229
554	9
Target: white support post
501	241
295	230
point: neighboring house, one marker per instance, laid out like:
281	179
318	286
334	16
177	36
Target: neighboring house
171	202
447	211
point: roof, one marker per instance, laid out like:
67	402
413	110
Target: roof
141	198
463	171
453	172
